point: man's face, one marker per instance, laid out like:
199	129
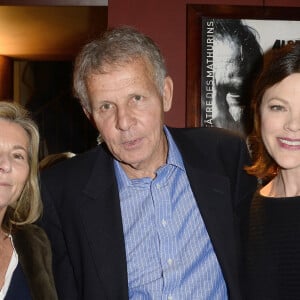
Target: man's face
128	110
229	62
230	68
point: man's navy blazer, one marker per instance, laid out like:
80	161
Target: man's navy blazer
82	214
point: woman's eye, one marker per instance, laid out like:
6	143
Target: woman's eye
18	156
277	107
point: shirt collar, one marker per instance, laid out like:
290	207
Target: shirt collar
174	156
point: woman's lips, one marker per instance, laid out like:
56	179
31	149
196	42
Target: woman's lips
288	143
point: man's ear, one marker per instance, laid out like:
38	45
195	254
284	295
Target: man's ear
89	116
87	113
168	94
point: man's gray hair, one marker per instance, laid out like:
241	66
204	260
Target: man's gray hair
115	47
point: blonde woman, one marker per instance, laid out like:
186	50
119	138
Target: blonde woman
25	269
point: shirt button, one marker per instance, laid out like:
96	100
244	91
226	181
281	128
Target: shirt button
170	261
170	298
164	222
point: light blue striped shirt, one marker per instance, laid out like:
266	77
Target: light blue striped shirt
169	253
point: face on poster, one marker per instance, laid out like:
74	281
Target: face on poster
232	55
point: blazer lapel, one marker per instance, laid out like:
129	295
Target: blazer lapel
212	194
101	215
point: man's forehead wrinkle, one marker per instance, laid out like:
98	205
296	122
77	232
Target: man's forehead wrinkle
115	86
120	84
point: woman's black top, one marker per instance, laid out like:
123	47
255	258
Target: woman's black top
272	249
18	288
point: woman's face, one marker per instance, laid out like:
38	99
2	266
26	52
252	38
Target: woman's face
280	122
14	165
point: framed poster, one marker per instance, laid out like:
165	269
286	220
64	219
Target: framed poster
225	47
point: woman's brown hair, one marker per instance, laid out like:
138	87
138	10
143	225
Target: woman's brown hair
278	64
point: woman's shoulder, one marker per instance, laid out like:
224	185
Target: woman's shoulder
31	235
35	257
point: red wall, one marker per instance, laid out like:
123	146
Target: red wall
165	22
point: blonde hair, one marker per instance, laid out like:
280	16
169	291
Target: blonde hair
52	159
28	208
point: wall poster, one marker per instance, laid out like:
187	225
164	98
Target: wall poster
225	50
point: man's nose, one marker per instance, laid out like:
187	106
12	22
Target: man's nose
125	118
